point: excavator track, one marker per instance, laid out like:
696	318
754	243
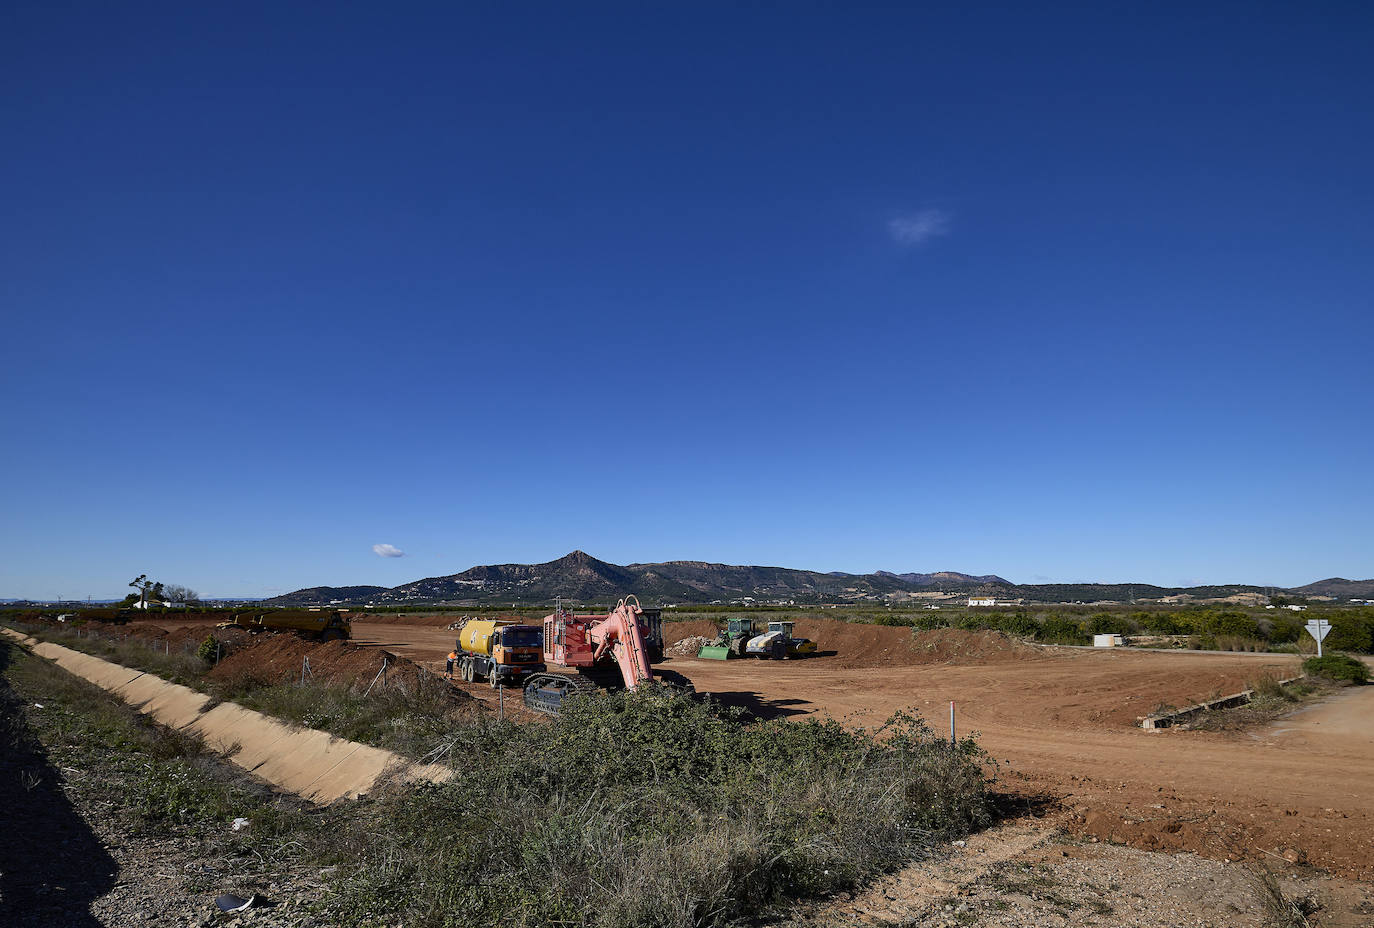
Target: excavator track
546	692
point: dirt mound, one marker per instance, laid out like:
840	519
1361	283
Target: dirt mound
425	621
673	632
953	646
184	638
855	644
268	659
436	621
689	646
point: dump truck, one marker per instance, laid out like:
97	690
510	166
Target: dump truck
731	640
322	624
601	651
498	651
777	643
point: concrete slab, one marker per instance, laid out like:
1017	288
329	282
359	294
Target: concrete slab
170	704
252	737
353	772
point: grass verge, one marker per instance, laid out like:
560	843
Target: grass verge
157	782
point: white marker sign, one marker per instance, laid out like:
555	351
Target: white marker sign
1318	629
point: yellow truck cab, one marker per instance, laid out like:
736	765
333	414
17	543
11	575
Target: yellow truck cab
499	651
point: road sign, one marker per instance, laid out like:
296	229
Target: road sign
1318	629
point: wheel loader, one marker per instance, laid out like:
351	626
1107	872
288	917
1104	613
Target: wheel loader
731	640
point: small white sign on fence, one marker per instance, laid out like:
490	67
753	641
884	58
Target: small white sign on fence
1318	629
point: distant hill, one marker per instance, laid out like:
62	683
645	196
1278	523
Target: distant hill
941	578
579	577
1339	587
323	595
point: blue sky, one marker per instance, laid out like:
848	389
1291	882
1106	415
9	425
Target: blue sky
1070	293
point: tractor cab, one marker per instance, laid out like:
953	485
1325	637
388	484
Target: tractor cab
731	640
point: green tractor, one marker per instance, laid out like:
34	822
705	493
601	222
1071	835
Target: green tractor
730	641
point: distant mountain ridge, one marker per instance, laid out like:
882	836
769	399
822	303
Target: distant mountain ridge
582	578
579	576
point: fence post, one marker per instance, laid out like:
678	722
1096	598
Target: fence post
380	676
951	723
500	702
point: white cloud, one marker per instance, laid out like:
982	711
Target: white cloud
919	227
387	551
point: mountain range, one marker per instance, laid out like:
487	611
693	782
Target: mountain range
579	577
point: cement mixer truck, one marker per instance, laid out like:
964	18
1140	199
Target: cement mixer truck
498	651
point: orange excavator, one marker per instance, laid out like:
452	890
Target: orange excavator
611	651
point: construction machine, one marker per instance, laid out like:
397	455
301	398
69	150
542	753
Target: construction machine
604	651
731	640
498	650
777	643
325	625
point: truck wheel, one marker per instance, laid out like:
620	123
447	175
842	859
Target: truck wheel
493	678
466	672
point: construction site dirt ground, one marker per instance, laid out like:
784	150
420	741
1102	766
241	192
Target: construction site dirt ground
1062	725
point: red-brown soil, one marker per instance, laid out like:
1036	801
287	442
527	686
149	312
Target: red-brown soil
1062	723
279	657
855	645
267	657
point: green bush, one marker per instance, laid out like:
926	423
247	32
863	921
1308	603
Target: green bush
975	621
208	650
1163	623
926	620
1351	631
1019	624
1231	625
1284	632
1339	667
1056	629
1104	623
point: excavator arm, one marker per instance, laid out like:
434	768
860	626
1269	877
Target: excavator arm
619	633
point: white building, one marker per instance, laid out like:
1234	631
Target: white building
982	600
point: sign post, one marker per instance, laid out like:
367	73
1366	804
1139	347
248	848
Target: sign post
1318	629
